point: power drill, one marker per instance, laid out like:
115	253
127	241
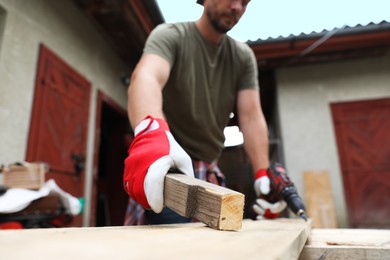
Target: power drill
282	188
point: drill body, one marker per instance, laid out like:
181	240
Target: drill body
282	188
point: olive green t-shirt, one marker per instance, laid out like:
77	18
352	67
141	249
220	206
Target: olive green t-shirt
203	83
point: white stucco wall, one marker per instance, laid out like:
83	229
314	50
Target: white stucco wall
304	97
64	29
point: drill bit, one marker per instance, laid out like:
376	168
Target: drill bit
301	213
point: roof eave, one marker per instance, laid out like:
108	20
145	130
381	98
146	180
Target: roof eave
342	43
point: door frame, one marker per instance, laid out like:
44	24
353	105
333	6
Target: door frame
102	98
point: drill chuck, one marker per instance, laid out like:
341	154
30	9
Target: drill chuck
294	202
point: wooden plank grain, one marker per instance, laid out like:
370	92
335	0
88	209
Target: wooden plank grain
263	239
347	244
217	207
319	199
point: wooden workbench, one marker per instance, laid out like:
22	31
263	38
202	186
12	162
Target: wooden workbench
366	244
265	239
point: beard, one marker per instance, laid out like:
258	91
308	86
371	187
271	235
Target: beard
219	24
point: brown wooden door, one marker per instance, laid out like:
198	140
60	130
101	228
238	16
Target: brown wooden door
58	130
363	139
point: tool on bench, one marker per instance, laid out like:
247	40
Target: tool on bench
282	188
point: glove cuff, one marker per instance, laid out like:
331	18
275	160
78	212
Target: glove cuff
261	173
262	182
149	124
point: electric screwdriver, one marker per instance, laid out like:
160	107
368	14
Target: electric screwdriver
282	188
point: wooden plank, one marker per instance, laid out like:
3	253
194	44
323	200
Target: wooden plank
217	207
319	200
347	244
24	175
264	239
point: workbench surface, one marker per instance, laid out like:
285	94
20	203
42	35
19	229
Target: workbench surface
264	239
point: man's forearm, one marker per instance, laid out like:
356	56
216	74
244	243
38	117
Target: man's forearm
254	128
255	133
145	90
144	98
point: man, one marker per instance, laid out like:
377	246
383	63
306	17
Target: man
182	91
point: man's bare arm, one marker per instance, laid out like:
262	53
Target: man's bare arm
254	128
145	90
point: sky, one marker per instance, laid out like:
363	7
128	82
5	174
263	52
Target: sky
274	18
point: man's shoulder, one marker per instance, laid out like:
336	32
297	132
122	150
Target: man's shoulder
241	46
179	27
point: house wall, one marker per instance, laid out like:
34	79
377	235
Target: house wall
64	29
304	97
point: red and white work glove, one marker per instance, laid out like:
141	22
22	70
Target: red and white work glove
152	153
263	208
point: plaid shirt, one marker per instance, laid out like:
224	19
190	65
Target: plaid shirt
210	172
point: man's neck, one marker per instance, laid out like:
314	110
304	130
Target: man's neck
208	32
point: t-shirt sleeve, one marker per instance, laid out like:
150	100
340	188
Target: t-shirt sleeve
163	41
249	76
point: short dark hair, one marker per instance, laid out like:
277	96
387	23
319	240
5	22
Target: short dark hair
200	2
